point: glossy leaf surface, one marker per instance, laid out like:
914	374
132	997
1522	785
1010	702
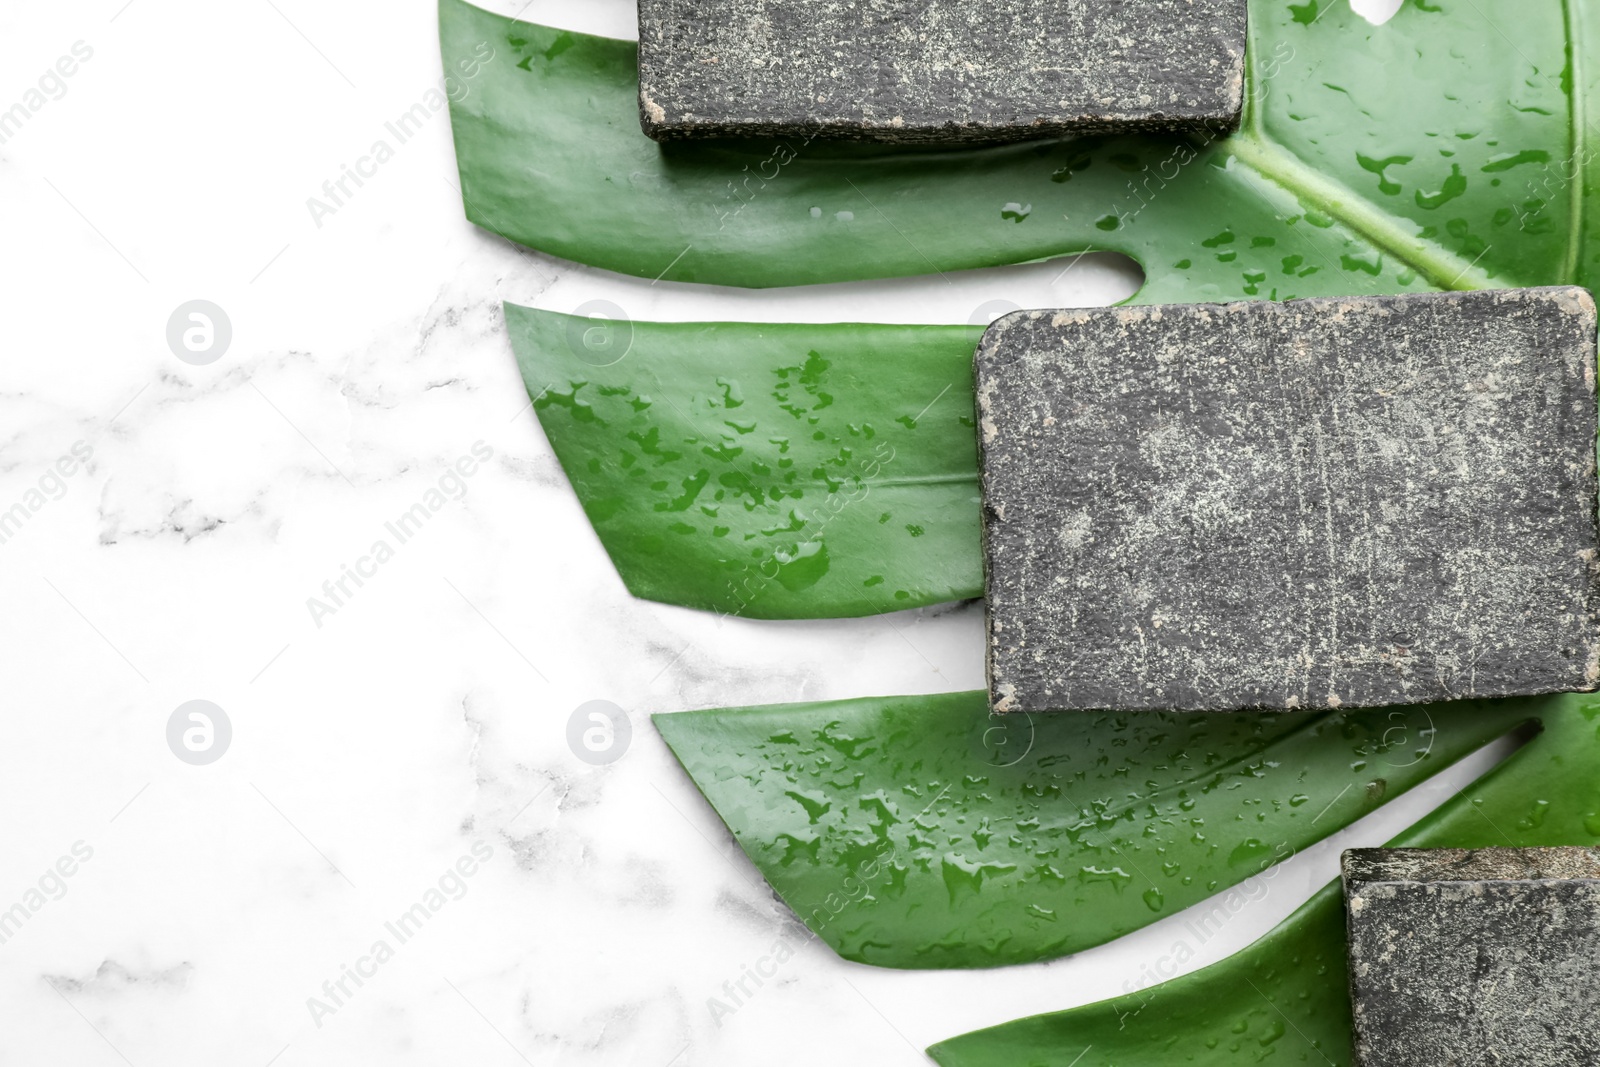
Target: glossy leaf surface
1430	152
1285	998
921	832
767	471
1373	159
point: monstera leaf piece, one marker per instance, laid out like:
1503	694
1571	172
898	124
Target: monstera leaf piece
1285	997
1430	152
1372	159
919	832
741	468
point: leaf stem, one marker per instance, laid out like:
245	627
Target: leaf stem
1441	268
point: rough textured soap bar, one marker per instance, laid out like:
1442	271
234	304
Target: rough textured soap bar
1474	956
1314	503
937	70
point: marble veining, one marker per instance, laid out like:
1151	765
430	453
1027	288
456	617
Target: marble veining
418	728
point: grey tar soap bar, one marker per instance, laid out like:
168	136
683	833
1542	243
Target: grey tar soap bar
1316	503
1484	956
937	70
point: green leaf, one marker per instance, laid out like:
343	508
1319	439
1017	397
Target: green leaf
1430	152
920	832
1373	159
1286	996
741	468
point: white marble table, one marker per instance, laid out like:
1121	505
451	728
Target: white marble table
211	911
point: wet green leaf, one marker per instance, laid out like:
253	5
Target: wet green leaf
1373	159
1283	999
1430	152
922	832
743	468
1286	996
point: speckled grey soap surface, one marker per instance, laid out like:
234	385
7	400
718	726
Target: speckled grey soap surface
1487	956
1315	503
937	70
